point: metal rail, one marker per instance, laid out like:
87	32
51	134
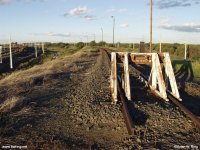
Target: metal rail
125	111
174	100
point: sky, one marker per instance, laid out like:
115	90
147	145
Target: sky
174	21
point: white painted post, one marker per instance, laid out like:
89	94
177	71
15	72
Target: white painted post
170	74
36	50
113	77
160	47
1	54
185	51
43	48
158	77
126	78
10	46
153	74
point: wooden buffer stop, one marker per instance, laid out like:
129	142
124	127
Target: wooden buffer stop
161	79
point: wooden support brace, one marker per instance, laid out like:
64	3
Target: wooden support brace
113	77
170	76
126	77
157	77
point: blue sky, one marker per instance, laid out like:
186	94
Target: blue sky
82	20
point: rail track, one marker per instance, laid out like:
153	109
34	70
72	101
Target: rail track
139	71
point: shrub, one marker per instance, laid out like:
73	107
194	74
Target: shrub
80	45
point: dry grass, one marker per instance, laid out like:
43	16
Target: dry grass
8	104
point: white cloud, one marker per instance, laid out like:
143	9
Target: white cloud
165	4
187	27
121	10
5	1
52	34
125	25
26	1
78	11
88	17
111	10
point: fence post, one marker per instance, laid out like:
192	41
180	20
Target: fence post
36	50
42	47
185	51
1	54
10	46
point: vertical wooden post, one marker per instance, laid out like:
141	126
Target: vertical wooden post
150	26
185	51
42	47
160	47
10	46
1	54
153	73
126	77
113	77
36	52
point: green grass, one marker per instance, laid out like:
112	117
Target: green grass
188	66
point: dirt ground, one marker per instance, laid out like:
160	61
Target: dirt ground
66	104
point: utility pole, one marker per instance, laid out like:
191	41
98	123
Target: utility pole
113	30
150	26
11	61
102	34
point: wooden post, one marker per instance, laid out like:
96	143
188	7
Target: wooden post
185	51
150	26
160	47
42	47
36	52
10	46
1	54
126	78
113	77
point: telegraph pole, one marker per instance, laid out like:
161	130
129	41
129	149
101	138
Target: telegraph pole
102	34
150	26
113	30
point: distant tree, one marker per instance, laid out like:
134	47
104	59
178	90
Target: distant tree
92	43
101	43
80	45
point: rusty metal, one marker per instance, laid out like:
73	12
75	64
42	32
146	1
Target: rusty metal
126	114
171	97
189	114
122	96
